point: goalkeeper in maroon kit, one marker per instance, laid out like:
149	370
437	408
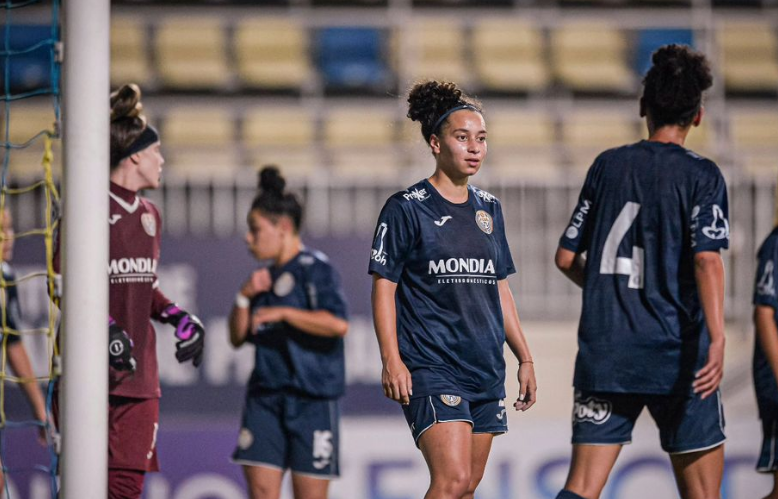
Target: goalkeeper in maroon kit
135	299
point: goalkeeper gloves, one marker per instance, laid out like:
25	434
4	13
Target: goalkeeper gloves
189	333
119	348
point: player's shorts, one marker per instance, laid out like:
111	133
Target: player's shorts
286	431
686	423
485	417
132	433
768	457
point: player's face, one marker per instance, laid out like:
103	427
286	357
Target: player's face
461	147
150	163
8	236
264	237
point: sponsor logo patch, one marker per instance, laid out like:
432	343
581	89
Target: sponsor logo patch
377	253
322	449
484	221
451	400
417	194
719	227
443	220
245	438
591	410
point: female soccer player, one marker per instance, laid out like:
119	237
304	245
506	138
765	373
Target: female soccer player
294	313
441	303
135	298
651	217
765	365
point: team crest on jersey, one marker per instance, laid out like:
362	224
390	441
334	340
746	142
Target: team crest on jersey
245	438
484	221
149	224
283	285
451	400
591	410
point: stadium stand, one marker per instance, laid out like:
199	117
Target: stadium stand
199	143
433	49
749	57
129	57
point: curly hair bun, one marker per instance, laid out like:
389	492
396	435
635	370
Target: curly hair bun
125	102
429	100
270	180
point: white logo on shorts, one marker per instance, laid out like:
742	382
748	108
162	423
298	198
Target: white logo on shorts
501	415
245	438
451	400
591	410
322	448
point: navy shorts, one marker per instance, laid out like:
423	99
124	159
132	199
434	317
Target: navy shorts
767	457
686	423
484	417
285	431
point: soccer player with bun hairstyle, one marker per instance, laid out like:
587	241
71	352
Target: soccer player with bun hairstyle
765	361
442	306
293	311
135	299
644	243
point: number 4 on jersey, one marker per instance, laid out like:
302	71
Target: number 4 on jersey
612	263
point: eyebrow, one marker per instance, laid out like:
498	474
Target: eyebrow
466	130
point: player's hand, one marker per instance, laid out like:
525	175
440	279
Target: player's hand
189	333
528	387
258	282
708	378
396	380
120	348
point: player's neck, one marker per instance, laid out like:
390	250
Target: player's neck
452	190
289	251
670	134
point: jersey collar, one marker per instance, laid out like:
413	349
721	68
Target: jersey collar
125	198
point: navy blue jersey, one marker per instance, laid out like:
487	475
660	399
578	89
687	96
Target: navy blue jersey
446	259
644	211
287	358
765	294
12	308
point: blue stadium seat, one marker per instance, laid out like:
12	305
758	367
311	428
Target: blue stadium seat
352	59
651	39
29	70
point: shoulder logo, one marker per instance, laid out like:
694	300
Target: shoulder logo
451	400
719	227
766	284
417	194
114	218
484	221
591	410
149	224
489	198
377	253
443	220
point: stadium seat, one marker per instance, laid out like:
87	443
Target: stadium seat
754	136
433	50
587	133
199	143
352	58
129	58
591	58
361	143
521	145
749	57
31	69
508	56
273	54
283	136
649	40
191	54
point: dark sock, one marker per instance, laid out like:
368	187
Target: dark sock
566	494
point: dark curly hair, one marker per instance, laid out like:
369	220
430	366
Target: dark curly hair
127	120
674	86
273	201
429	100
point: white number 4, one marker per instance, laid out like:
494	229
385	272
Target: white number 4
613	264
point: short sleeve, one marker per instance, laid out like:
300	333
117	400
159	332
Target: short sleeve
575	238
709	224
326	292
505	265
392	242
766	274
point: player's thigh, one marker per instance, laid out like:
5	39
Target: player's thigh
309	487
314	436
481	446
447	449
263	482
699	474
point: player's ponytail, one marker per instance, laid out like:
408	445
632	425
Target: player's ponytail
272	199
129	131
673	87
431	102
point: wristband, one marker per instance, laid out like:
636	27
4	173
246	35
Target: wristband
241	301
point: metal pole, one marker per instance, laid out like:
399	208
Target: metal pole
84	341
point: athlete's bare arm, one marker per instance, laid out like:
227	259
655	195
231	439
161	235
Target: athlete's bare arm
395	377
514	336
709	274
767	334
571	264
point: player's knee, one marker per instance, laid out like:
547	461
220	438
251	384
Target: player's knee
454	483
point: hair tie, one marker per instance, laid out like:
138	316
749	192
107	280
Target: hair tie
447	113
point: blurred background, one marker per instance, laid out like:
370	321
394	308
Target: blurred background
318	88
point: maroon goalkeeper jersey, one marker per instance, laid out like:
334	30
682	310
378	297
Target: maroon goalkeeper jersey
134	297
